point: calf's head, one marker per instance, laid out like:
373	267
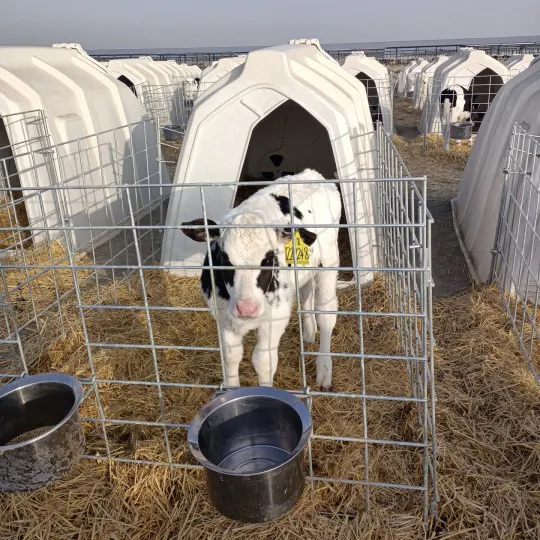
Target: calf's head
245	289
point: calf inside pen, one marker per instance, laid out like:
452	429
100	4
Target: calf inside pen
261	299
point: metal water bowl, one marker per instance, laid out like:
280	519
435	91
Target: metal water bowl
172	133
461	130
251	444
41	437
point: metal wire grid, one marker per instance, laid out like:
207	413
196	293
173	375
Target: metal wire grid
380	94
95	271
45	189
169	105
516	265
464	94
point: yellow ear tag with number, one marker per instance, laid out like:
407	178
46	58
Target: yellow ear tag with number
302	251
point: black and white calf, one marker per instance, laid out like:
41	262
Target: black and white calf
261	299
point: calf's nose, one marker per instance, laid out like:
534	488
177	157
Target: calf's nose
247	308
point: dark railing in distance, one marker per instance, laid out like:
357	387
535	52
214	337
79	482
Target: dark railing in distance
387	53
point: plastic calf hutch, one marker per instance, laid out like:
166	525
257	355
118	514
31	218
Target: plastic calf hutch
412	77
61	114
260	122
477	204
217	70
424	82
478	76
375	77
518	62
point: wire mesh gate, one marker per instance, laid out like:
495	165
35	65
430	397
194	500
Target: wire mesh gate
516	265
148	353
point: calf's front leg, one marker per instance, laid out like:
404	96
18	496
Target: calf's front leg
233	350
265	354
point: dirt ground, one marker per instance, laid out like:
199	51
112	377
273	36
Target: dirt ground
444	172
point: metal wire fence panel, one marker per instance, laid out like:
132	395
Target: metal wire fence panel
380	96
58	201
150	351
169	105
516	268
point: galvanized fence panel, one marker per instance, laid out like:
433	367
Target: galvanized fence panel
516	264
149	355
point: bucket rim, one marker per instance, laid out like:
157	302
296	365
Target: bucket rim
229	396
44	378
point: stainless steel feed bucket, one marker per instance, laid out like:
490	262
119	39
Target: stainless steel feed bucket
461	130
251	444
41	437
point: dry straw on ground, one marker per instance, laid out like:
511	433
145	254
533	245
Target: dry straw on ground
488	421
443	169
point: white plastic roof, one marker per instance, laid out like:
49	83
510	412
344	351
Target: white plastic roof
208	68
192	70
219	147
175	70
424	81
518	62
153	72
402	80
165	72
460	69
413	74
129	68
78	99
357	63
218	70
476	207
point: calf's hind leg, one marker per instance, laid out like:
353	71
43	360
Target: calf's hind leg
326	300
307	297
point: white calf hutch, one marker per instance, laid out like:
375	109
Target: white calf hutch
478	202
164	72
375	77
61	98
217	70
402	80
497	209
470	79
160	86
424	82
129	73
274	128
176	71
145	67
518	62
128	318
412	76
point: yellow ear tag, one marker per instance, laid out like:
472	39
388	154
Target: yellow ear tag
302	251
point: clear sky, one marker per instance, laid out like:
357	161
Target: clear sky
111	24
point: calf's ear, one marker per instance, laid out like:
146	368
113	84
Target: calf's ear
199	233
285	235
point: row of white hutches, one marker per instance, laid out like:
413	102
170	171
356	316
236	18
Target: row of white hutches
294	98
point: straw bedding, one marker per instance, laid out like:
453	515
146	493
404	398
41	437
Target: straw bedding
488	424
488	417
